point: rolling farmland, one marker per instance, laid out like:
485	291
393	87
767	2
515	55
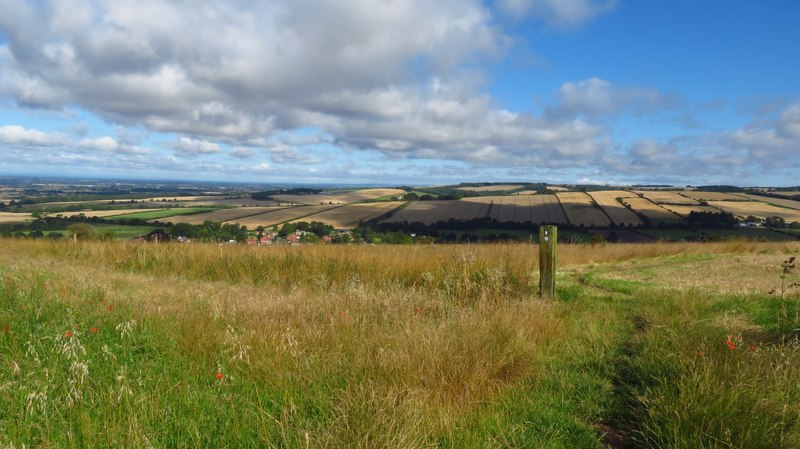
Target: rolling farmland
684	210
351	215
581	211
619	214
157	214
117	213
429	212
666	197
338	197
224	215
282	215
521	208
792	204
714	196
651	210
757	209
493	188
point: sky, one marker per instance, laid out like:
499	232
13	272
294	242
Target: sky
393	92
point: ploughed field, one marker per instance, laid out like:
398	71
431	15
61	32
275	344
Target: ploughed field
110	344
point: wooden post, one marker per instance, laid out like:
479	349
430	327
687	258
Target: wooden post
548	237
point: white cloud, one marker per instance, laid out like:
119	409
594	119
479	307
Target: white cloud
598	97
242	152
188	145
17	135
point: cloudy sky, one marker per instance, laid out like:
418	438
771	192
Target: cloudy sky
402	91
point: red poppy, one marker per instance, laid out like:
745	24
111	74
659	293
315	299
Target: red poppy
68	334
110	307
219	375
342	314
24	307
751	348
419	310
94	330
730	344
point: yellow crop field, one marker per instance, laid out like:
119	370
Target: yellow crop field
651	210
581	210
223	215
281	215
526	192
339	197
685	210
666	197
714	196
351	215
789	194
242	202
619	214
758	209
8	217
522	208
776	201
558	189
493	188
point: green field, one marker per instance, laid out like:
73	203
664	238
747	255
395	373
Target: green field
750	234
654	345
158	214
120	232
672	235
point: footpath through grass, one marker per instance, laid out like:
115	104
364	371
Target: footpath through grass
114	345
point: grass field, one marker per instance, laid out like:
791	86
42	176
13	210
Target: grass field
120	232
672	235
714	196
105	213
232	215
684	211
282	215
792	204
159	214
650	345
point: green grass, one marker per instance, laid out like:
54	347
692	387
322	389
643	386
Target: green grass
157	214
674	235
121	232
119	345
750	234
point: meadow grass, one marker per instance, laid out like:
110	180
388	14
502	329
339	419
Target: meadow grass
108	344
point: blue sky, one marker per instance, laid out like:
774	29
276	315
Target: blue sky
402	92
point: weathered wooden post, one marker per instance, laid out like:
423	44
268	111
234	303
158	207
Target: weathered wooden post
548	237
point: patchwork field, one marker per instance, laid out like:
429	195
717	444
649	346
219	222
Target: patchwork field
776	201
351	215
666	197
106	213
714	196
581	211
282	215
619	214
338	197
224	215
159	214
742	209
492	188
651	210
429	212
684	211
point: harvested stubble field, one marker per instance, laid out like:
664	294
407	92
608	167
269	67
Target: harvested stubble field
714	196
493	188
10	217
742	209
339	197
667	197
522	208
581	210
684	211
351	215
616	211
651	345
792	204
651	210
429	212
224	215
282	215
